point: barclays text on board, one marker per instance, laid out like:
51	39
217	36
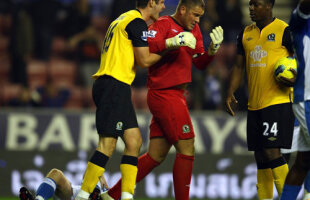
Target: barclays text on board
215	133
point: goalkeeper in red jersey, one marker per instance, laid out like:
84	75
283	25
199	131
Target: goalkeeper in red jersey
167	80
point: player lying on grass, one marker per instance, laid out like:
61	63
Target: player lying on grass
55	184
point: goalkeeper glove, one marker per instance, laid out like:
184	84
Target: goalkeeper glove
182	39
217	38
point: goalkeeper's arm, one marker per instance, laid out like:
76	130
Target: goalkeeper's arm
182	39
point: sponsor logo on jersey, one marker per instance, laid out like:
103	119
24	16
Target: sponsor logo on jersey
144	35
271	37
258	53
174	30
249	39
272	139
119	126
186	128
151	33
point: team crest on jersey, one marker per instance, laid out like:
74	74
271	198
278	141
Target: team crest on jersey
144	35
151	33
271	37
258	53
119	126
186	128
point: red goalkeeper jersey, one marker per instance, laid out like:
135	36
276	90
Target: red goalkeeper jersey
176	66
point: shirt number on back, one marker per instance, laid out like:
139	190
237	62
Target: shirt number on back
108	38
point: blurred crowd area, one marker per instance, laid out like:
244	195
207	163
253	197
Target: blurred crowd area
50	48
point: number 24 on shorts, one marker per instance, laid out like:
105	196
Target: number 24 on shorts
273	129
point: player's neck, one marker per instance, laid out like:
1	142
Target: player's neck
145	14
177	18
261	24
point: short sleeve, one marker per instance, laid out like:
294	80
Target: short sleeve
157	36
137	32
287	40
240	49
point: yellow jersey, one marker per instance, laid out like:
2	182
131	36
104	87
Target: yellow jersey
262	49
117	55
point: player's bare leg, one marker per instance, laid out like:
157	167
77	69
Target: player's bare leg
63	190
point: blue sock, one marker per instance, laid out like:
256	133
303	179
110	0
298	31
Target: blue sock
46	190
290	192
307	182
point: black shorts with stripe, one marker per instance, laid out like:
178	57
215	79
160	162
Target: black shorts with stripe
115	112
270	127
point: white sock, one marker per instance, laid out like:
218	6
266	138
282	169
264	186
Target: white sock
126	195
39	197
82	195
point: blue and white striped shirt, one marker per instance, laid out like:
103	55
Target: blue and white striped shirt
300	29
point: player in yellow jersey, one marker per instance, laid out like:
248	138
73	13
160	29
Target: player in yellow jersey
270	119
125	45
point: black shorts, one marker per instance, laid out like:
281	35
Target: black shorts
115	112
270	127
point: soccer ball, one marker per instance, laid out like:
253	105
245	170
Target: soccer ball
283	66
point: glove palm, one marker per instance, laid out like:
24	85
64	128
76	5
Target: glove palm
217	38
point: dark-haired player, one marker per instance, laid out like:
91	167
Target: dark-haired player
300	28
270	120
125	45
167	80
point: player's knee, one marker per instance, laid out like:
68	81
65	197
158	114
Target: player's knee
55	174
133	144
187	150
107	145
271	154
158	156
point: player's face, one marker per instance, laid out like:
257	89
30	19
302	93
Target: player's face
259	10
191	17
157	8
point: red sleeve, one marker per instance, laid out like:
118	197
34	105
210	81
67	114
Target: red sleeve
203	59
157	36
199	41
202	62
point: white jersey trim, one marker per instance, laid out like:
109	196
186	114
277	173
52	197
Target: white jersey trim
302	15
306	52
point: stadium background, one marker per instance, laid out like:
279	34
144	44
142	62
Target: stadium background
49	49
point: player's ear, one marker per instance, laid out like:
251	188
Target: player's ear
152	3
182	9
269	5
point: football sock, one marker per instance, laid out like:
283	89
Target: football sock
182	174
129	174
290	192
94	170
46	190
145	165
264	181
279	170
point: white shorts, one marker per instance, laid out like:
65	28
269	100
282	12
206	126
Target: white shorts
295	141
75	190
302	113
